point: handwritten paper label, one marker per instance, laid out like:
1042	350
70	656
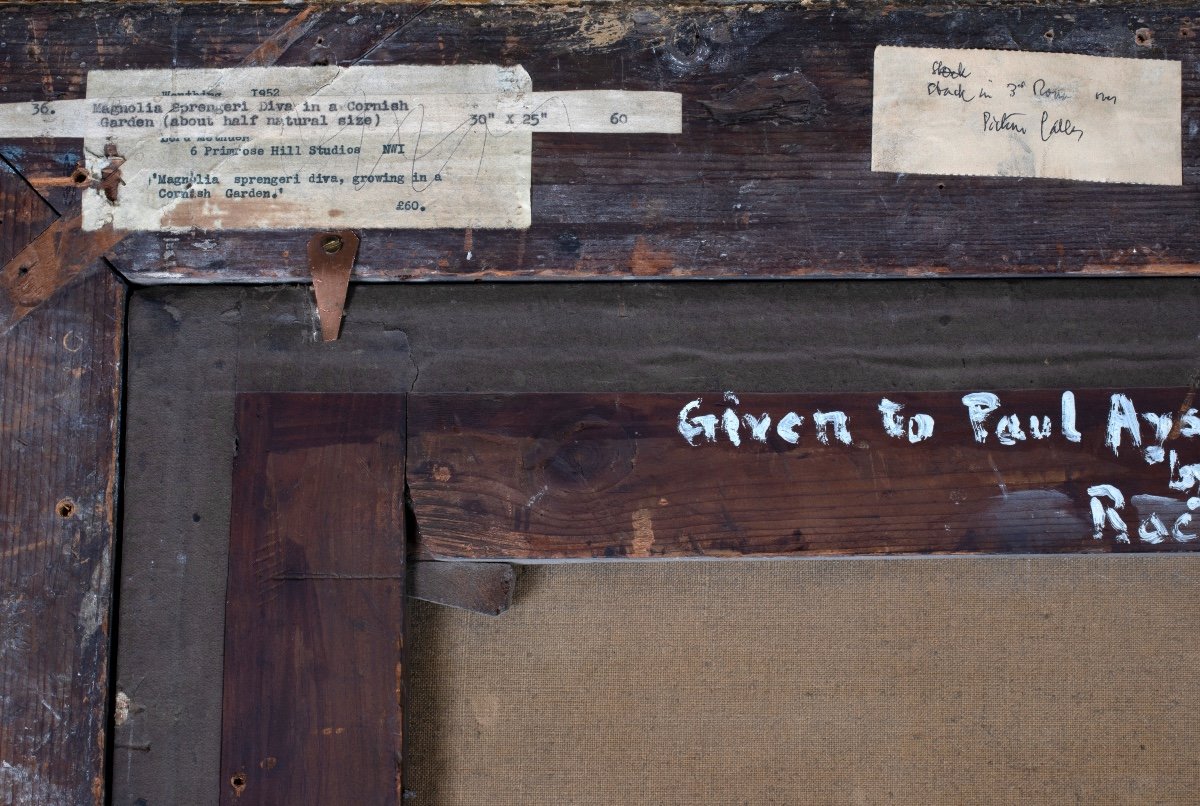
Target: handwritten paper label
1046	115
307	147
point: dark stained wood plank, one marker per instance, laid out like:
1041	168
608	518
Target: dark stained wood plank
486	588
60	392
769	179
314	633
560	477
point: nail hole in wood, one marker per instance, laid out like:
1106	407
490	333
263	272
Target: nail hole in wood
65	508
238	782
1144	37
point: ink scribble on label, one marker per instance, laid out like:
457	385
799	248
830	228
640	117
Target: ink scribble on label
305	147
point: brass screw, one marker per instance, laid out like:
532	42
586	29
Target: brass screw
332	244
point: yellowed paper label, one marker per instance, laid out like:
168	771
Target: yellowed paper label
309	147
1007	113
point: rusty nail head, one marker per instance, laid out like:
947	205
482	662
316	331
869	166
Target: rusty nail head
332	244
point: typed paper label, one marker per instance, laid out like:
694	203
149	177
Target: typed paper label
393	147
1045	115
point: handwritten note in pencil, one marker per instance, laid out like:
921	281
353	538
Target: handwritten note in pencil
1045	115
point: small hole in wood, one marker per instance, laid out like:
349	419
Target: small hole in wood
1049	35
238	782
941	185
1144	37
23	271
65	508
79	176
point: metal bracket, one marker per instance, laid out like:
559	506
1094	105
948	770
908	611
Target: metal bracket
330	259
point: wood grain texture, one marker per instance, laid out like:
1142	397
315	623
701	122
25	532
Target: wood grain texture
314	631
60	390
564	477
769	179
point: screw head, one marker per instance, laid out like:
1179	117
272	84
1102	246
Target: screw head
331	244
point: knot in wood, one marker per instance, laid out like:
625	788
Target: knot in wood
590	454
